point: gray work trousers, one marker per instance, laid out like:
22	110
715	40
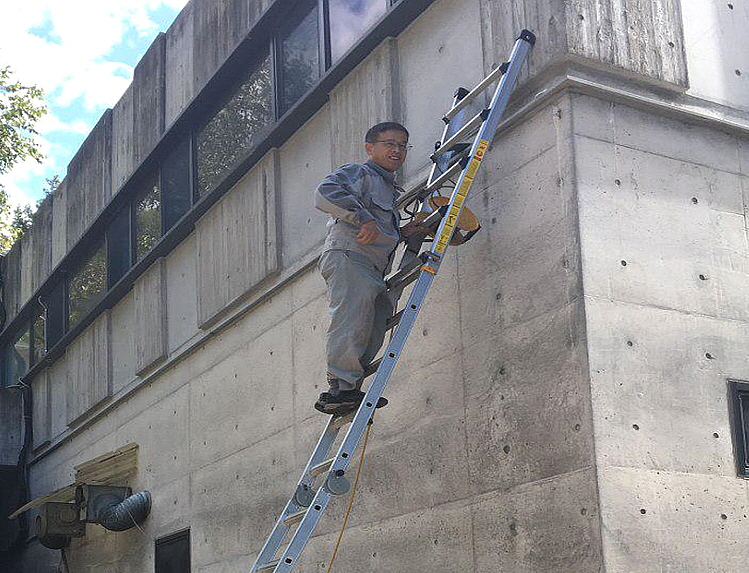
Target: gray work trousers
359	309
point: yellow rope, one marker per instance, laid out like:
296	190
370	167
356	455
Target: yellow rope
353	493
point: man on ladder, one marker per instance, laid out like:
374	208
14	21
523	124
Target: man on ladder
363	233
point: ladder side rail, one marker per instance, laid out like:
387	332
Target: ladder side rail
304	531
358	425
480	145
280	529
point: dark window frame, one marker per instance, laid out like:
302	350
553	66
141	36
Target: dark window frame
738	400
166	197
170	539
296	15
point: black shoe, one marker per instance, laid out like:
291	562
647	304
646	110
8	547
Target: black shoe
344	402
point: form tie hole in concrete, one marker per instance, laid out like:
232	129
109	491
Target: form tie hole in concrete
498	295
703	277
581	17
617	182
730	6
709	356
643	511
695	200
716	435
624	263
737	72
584	511
424	332
723	516
506	449
671	44
630	343
635	427
577	427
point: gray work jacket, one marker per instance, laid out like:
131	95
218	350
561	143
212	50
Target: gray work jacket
354	194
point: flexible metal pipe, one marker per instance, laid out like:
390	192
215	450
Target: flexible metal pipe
126	514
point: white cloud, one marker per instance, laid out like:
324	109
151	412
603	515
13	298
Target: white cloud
66	47
74	50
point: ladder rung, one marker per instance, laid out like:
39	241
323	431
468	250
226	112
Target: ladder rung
482	85
296	517
372	367
452	171
469	128
395	280
268	566
393	321
322	467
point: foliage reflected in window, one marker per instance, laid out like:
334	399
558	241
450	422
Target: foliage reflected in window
17	357
299	57
87	286
349	19
233	131
37	328
55	303
147	217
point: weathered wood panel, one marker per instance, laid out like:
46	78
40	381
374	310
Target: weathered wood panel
641	36
123	149
179	84
237	240
42	415
59	223
41	243
368	95
219	26
89	373
12	264
148	98
138	118
89	183
150	316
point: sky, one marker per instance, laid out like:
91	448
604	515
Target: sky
82	54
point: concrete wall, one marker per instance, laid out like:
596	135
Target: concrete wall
665	268
555	409
715	45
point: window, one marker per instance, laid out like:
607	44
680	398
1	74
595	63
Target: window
119	259
739	398
298	56
173	553
38	349
175	184
147	217
349	19
17	357
234	130
87	286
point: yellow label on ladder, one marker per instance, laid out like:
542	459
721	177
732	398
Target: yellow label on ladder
451	219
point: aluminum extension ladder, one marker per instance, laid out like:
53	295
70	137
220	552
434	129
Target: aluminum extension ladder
452	156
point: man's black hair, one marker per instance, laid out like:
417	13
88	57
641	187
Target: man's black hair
374	131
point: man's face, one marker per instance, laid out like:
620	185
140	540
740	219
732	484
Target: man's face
389	152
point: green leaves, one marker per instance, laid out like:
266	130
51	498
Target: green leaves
20	108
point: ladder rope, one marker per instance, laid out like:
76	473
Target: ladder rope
351	498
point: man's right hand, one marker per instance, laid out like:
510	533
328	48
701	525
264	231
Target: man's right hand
368	233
